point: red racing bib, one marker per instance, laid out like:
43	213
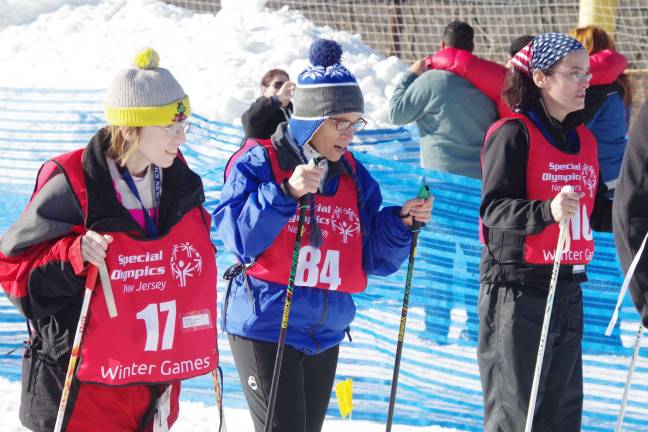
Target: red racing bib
164	294
548	170
337	264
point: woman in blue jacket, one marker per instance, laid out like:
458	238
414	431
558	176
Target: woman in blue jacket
607	107
347	237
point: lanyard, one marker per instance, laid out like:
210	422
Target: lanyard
151	227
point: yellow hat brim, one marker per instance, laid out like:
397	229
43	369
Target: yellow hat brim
147	116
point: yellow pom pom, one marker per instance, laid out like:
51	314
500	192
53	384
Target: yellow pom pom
148	58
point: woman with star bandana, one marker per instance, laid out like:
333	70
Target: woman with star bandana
527	160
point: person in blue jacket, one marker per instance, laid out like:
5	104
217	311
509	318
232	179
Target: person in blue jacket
347	237
607	107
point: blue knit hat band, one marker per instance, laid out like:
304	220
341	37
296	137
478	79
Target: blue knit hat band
316	102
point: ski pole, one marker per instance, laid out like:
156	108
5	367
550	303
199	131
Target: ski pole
626	391
217	376
91	281
303	205
424	193
563	239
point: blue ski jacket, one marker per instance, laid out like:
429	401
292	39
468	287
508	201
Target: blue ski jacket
610	126
252	211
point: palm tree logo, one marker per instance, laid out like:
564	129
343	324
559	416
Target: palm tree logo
589	178
185	262
345	222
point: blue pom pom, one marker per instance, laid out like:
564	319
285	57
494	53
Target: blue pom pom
325	52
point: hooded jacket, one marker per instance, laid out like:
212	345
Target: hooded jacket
254	209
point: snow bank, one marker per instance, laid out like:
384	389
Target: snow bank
218	59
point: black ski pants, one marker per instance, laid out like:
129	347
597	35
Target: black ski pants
305	384
510	325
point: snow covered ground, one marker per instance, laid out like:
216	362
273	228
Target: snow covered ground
219	60
198	417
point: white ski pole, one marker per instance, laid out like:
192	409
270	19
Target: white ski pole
91	281
626	391
562	240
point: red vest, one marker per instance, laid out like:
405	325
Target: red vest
164	291
337	264
548	170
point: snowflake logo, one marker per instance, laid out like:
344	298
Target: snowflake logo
589	177
345	222
337	70
313	72
185	262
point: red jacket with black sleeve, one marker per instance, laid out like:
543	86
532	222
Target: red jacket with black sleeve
488	76
43	274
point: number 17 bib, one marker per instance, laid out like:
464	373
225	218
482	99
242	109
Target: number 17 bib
164	293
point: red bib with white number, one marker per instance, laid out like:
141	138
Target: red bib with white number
337	263
548	170
164	294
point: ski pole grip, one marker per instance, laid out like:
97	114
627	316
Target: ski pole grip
423	193
312	163
567	188
315	161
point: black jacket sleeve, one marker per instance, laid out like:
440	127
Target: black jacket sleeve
601	218
41	251
262	118
630	210
504	205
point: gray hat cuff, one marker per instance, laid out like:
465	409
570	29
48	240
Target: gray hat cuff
311	102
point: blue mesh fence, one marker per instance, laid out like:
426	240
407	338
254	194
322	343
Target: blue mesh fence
439	381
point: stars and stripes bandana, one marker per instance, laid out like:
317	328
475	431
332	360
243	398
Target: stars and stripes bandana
544	51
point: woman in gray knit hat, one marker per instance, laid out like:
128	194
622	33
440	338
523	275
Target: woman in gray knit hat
128	207
347	237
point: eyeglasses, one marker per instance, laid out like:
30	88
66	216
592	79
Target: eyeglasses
176	129
344	125
277	84
578	77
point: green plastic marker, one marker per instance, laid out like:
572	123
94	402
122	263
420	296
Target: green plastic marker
424	190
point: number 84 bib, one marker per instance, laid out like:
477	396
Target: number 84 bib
337	263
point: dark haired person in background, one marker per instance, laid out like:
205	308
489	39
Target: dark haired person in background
452	116
273	107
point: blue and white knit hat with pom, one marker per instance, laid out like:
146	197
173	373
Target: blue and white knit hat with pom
323	90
